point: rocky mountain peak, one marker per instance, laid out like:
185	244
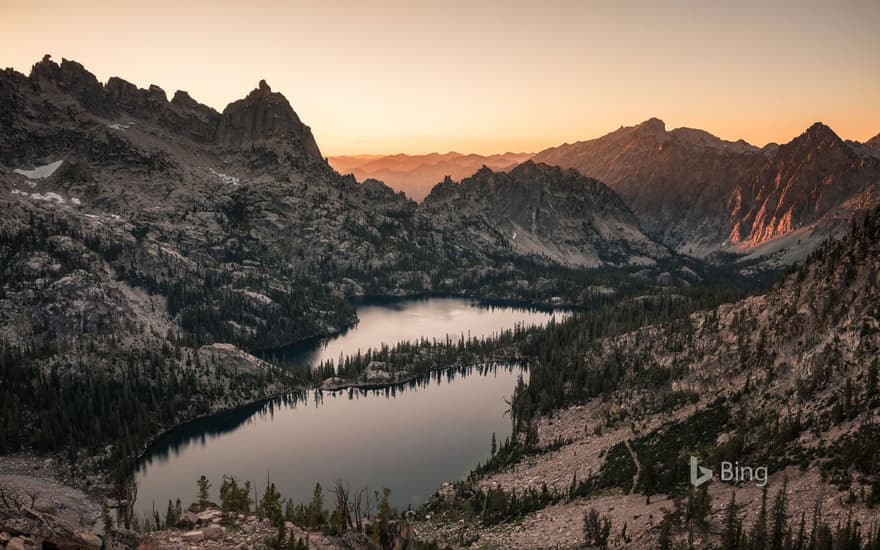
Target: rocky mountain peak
72	78
653	125
874	142
818	134
264	119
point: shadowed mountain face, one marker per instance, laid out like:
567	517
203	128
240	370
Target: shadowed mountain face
700	194
543	210
235	219
415	175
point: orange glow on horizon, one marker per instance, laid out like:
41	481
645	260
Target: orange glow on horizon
489	77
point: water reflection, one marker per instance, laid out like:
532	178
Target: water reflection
391	321
410	437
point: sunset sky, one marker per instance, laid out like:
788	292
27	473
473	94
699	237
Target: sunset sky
485	77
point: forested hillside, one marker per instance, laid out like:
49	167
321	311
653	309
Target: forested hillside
787	380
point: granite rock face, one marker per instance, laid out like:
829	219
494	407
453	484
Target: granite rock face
264	119
545	211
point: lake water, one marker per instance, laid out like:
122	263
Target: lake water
392	321
409	438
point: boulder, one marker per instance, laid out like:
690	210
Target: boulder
188	518
212	532
209	515
21	543
193	536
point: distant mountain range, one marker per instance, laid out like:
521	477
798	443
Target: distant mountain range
692	191
702	195
415	175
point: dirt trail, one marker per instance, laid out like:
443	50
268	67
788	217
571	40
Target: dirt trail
638	464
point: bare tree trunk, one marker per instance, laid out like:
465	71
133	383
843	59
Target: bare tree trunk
358	514
130	491
343	507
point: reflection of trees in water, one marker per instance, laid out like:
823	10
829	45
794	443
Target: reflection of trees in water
390	391
201	430
307	353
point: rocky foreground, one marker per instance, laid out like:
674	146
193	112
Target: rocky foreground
27	528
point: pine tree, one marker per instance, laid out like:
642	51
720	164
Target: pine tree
204	491
730	536
759	530
871	383
316	508
171	515
385	516
779	520
270	505
596	529
664	541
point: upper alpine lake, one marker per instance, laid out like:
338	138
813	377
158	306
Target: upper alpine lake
408	437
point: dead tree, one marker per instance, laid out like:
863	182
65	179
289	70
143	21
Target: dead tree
10	500
343	506
358	514
129	497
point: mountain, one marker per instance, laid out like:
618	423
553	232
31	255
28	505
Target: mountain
415	175
536	209
138	230
671	179
703	195
810	188
786	380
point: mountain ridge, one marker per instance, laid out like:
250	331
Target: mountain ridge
706	197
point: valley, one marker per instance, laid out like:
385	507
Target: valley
528	354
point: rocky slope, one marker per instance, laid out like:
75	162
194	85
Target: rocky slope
787	380
701	195
416	175
540	210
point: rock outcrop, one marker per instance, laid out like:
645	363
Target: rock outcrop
264	119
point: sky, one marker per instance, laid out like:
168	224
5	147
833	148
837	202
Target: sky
484	77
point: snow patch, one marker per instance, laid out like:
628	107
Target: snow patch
231	180
40	172
121	126
48	196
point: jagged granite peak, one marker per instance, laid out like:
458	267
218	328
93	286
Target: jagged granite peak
814	175
874	142
545	211
145	103
265	119
72	78
263	122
